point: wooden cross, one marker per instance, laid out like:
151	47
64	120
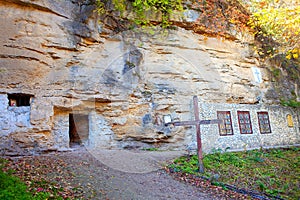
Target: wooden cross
197	122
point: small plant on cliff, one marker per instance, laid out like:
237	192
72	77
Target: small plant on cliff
140	9
151	149
290	103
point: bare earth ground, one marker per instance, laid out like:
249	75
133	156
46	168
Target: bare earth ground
112	174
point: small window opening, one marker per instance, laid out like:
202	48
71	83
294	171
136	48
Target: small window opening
19	99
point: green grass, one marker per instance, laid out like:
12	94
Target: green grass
12	188
273	171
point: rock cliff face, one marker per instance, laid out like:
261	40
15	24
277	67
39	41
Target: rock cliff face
124	83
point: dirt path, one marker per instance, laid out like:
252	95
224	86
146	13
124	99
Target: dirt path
134	161
108	174
115	174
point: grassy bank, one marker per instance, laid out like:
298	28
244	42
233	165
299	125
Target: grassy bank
274	171
12	187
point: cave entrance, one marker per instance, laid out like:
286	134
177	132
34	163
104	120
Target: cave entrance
78	129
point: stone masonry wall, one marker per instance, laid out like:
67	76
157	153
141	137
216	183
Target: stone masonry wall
17	130
281	134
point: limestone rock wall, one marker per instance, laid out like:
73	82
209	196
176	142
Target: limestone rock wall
125	82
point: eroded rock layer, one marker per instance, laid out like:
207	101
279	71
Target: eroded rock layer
57	53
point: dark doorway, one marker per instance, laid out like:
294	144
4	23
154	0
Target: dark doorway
78	129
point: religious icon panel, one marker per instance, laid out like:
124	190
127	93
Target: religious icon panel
225	128
264	122
244	122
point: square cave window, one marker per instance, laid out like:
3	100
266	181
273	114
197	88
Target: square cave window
264	122
244	122
19	99
226	127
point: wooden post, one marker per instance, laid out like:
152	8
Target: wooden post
197	122
198	132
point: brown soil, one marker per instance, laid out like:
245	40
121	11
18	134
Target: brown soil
82	175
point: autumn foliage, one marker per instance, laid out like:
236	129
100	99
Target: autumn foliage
274	23
221	17
280	21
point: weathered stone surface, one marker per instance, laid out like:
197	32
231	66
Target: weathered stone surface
126	82
101	134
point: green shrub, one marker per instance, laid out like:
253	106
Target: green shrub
290	103
11	187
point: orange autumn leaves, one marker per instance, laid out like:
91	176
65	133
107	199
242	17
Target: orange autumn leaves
221	16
